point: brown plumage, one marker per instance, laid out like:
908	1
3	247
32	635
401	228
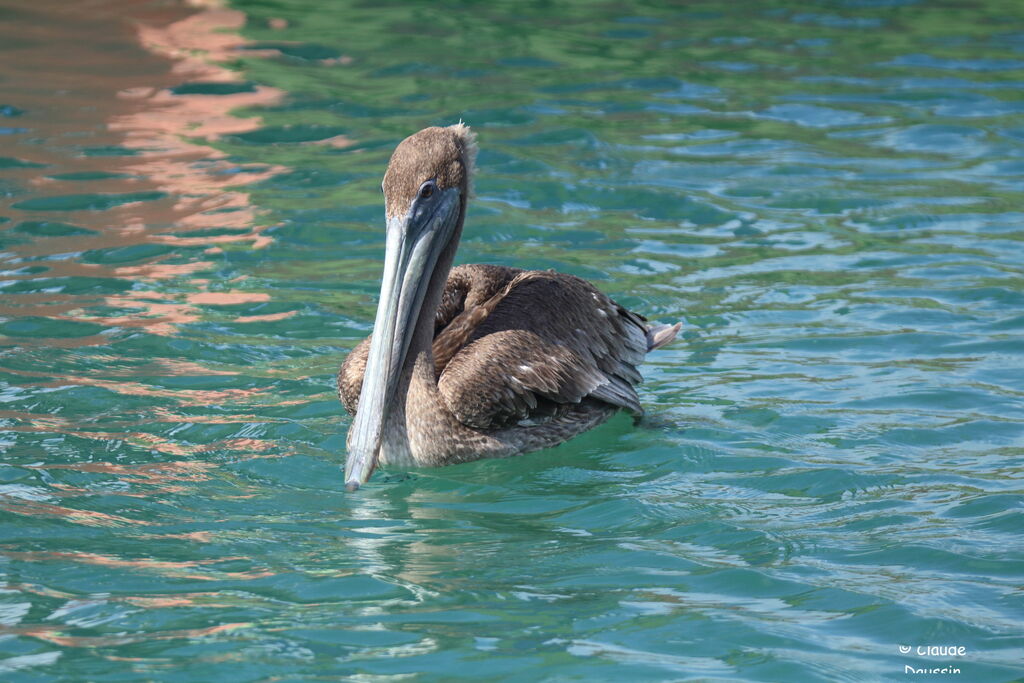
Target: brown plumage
502	360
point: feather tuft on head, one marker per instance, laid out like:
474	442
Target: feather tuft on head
468	137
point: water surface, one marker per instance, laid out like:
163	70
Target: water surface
827	193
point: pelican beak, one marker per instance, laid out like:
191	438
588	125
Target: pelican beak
414	243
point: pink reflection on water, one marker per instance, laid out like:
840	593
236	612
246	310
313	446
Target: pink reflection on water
201	570
56	636
34	508
87	97
227	298
105	104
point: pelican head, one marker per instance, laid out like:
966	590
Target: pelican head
425	191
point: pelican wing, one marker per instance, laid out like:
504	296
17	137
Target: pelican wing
546	341
350	376
468	289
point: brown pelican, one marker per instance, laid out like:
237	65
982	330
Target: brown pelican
476	361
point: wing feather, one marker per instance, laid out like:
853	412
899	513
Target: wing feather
513	346
545	338
467	288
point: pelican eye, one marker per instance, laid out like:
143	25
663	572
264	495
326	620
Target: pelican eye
427	189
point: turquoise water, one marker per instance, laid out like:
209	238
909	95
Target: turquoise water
829	194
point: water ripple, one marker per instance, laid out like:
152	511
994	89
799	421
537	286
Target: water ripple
832	458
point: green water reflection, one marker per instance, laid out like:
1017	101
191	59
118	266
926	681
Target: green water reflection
827	193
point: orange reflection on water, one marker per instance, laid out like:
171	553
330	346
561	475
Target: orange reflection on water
204	182
179	368
194	536
168	568
269	317
255	236
159	478
162	313
35	422
157	473
164	415
141	439
227	298
57	342
157	142
159	271
155	317
55	635
257	448
338	142
38	589
184	397
185	600
34	508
